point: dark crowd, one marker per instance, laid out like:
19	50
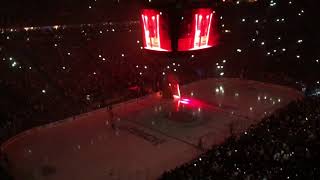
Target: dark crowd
68	62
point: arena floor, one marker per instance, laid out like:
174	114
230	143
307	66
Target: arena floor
151	134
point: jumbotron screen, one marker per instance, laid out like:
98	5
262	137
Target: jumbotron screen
155	30
197	30
191	29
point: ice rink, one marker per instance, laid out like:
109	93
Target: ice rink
150	134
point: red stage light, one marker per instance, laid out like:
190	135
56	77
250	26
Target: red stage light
185	101
178	95
155	31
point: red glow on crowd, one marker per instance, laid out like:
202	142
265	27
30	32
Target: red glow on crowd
202	32
155	34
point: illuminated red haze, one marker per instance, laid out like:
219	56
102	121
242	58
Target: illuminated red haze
197	30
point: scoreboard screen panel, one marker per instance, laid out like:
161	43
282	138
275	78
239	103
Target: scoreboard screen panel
155	30
197	30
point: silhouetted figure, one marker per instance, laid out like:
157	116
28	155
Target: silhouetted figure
111	117
200	144
231	130
4	167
